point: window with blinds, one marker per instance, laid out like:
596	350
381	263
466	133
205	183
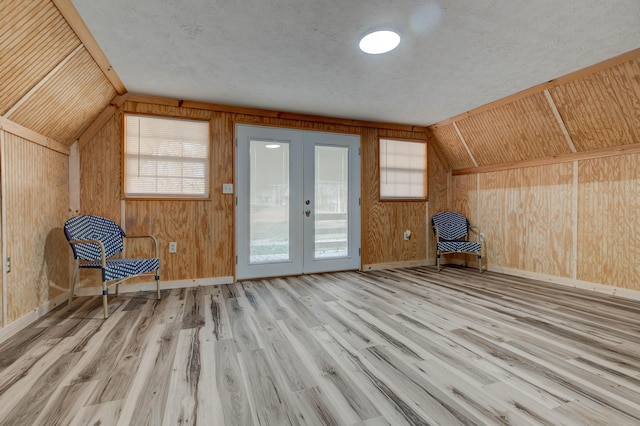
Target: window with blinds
402	169
166	157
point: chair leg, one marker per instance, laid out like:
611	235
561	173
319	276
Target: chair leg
158	284
73	285
480	263
438	261
105	293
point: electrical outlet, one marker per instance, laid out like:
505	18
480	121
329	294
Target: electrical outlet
481	236
7	265
173	247
227	188
407	235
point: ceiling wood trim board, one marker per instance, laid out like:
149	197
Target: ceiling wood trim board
560	121
562	158
464	143
101	120
159	100
74	20
33	136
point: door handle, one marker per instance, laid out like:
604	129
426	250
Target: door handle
307	213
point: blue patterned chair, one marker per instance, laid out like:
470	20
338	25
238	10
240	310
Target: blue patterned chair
452	236
94	240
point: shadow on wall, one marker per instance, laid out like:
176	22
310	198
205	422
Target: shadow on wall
57	262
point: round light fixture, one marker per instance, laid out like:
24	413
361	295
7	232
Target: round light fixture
379	41
272	146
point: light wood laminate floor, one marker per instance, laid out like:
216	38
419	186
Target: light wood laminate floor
407	346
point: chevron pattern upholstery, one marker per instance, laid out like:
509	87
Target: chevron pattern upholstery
459	246
80	229
122	268
452	230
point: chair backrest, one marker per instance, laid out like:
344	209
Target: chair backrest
451	225
88	227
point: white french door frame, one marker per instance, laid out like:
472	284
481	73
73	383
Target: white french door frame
301	197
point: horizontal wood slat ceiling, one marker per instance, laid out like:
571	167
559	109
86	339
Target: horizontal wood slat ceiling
592	109
51	82
69	101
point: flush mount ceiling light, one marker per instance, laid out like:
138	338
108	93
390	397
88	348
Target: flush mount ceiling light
272	146
379	41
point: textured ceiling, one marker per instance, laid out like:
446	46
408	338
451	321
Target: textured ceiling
302	56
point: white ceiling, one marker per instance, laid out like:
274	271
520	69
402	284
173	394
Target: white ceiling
302	55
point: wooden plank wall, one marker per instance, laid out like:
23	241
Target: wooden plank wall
575	220
609	221
205	231
35	182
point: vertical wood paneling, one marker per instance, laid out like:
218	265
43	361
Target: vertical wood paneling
526	217
100	171
68	102
204	230
37	204
465	196
439	193
452	147
520	130
383	223
608	221
602	109
167	221
34	39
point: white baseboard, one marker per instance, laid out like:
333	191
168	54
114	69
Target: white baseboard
405	264
39	312
34	315
151	286
625	293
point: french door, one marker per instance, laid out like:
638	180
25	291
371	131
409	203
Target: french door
298	208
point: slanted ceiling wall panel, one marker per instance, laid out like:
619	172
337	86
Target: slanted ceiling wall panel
520	130
602	109
452	147
69	101
34	39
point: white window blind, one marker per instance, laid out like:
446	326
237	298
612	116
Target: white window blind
402	169
166	157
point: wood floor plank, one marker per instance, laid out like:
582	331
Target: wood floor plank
147	397
216	319
31	405
391	347
182	406
230	384
332	377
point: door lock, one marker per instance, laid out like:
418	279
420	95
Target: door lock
307	213
307	202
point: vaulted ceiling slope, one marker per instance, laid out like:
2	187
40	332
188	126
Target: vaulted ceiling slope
593	109
50	83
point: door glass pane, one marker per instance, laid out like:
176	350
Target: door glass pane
331	202
269	202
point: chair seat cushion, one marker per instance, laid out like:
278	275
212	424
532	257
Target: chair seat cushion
122	268
459	246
